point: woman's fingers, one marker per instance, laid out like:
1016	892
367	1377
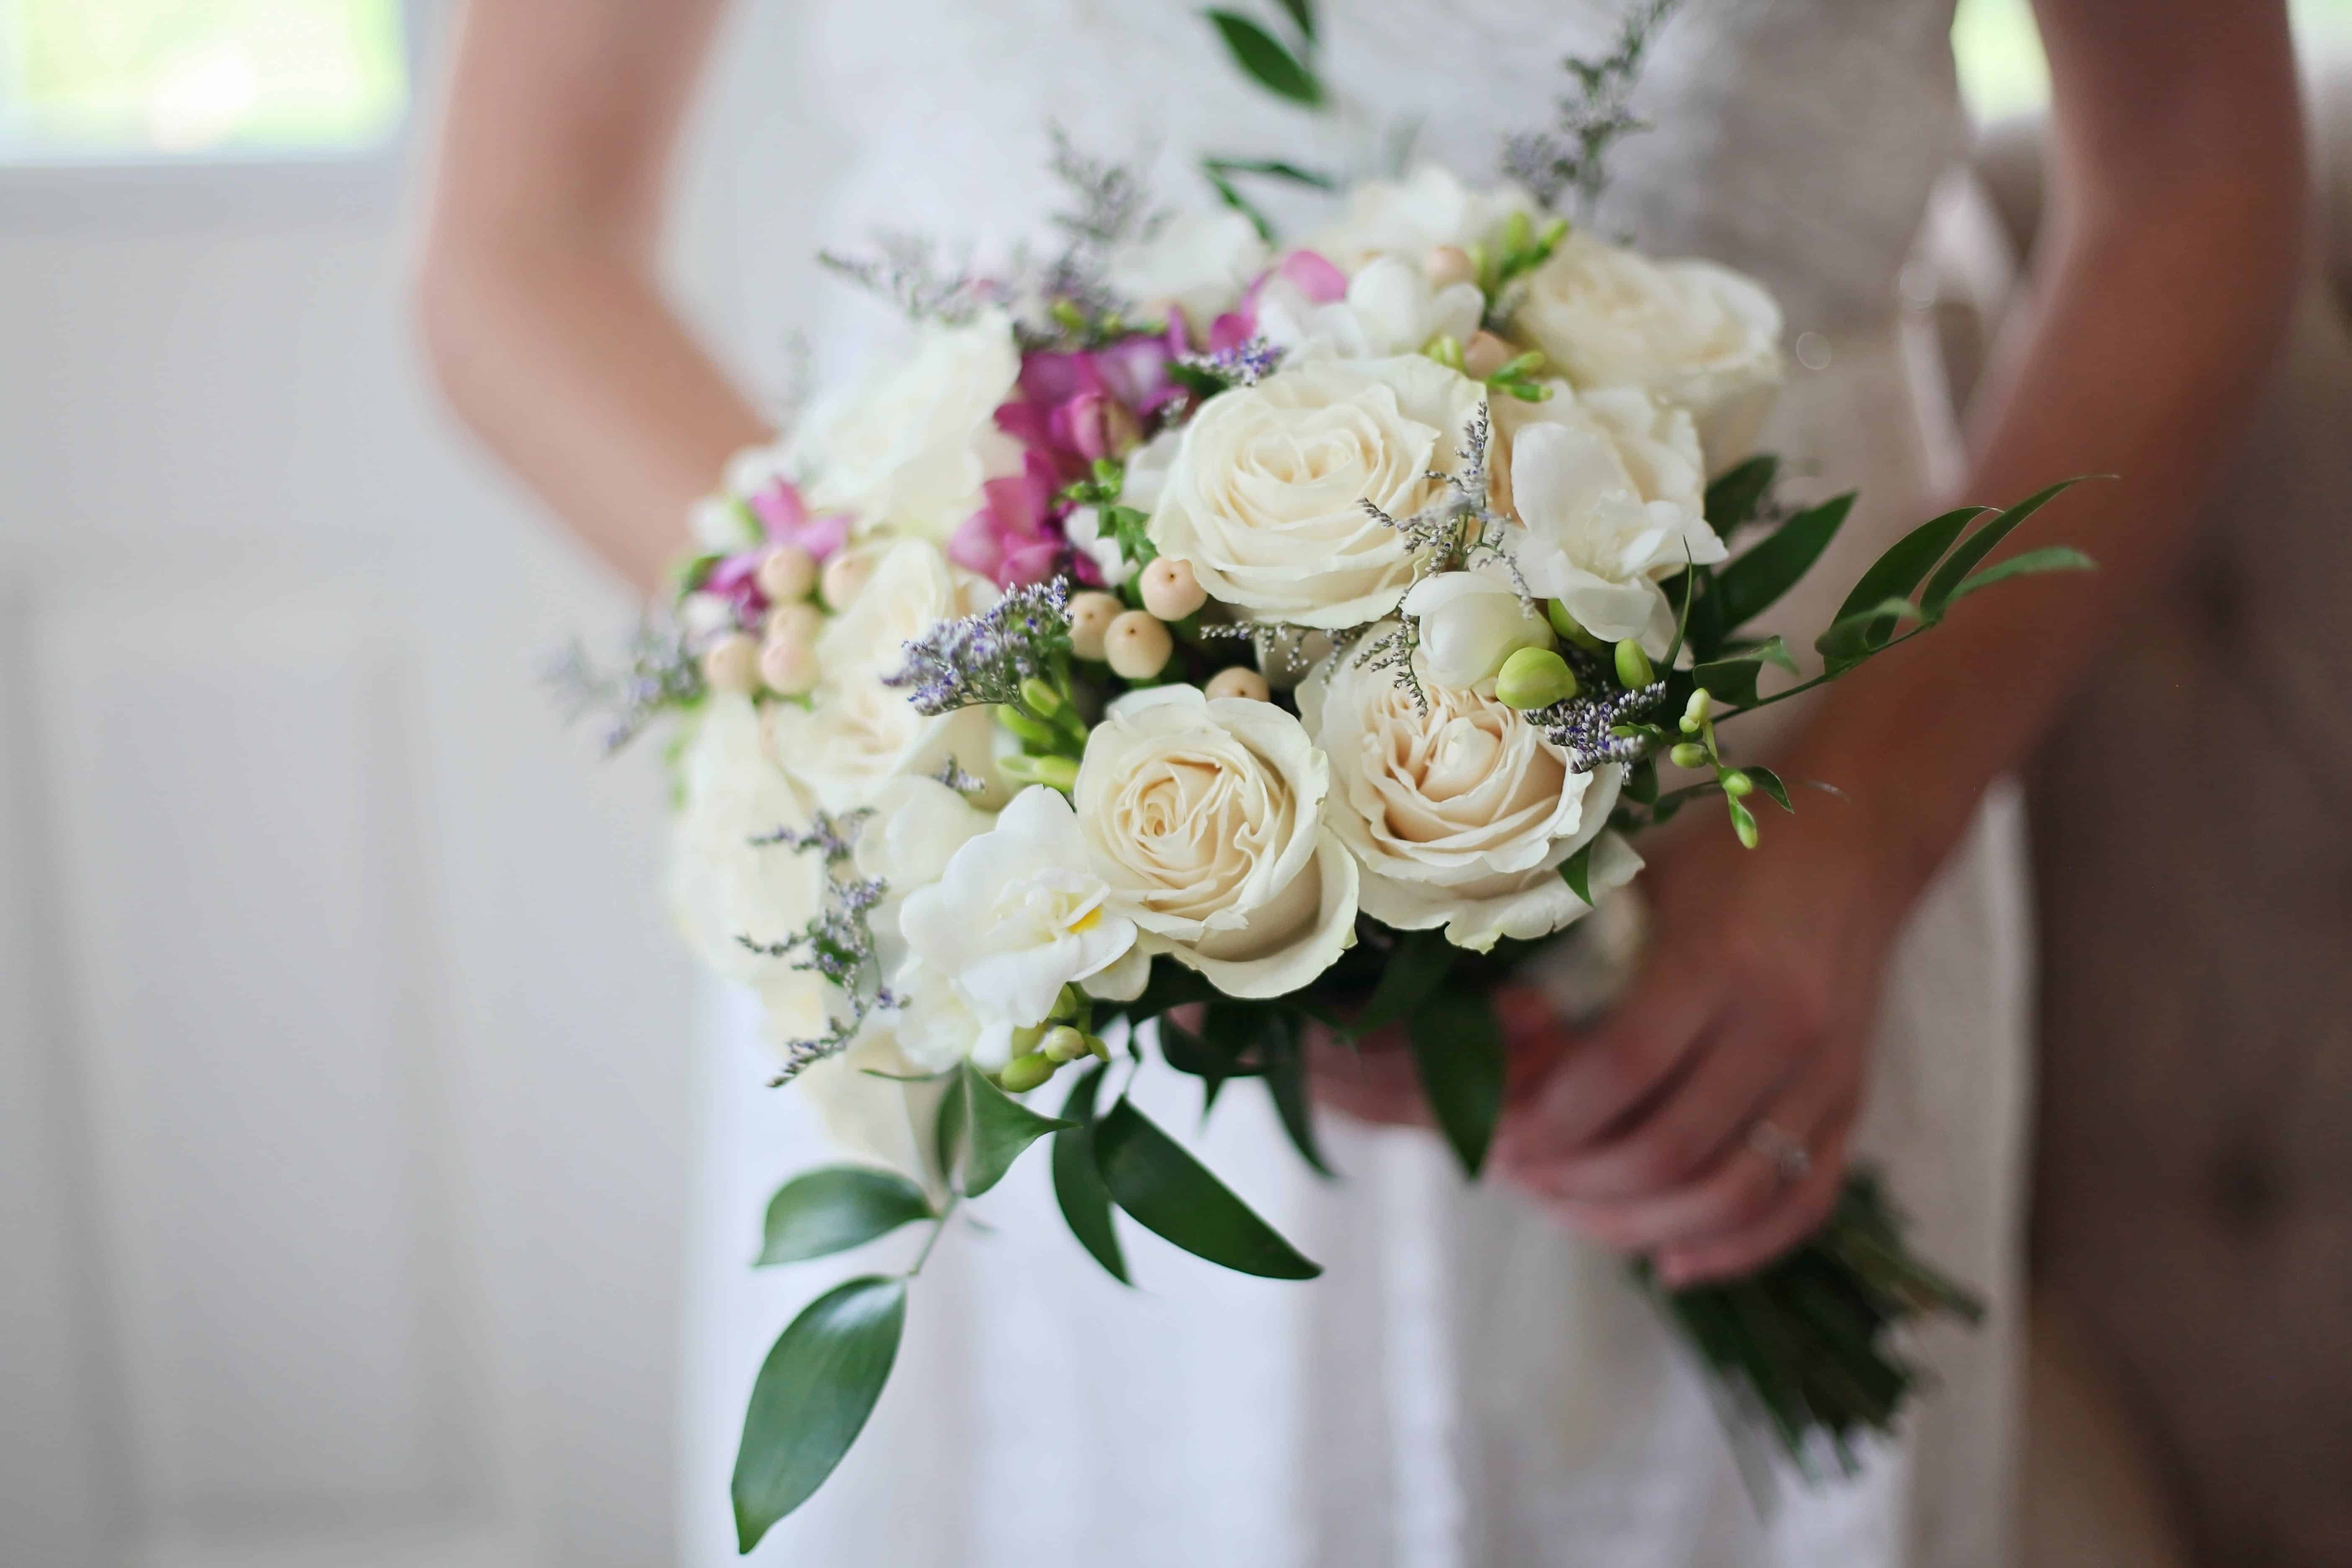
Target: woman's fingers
1602	1075
1796	1214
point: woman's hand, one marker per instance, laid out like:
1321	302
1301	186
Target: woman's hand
1705	1120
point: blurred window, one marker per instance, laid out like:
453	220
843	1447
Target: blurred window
2002	72
141	79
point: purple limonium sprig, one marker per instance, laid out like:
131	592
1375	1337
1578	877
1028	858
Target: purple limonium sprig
658	671
1245	363
1584	727
984	658
837	945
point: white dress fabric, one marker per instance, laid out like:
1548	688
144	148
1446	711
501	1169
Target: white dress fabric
1467	1386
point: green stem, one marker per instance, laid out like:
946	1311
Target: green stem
939	1228
1821	679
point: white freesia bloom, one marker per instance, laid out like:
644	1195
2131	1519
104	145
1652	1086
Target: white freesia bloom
916	825
1207	819
1265	497
1389	309
1018	914
856	732
1431	206
1695	334
1471	622
1610	486
911	448
1201	259
1461	814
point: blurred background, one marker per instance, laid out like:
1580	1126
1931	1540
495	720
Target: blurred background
345	1078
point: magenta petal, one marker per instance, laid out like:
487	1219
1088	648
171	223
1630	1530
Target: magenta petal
1315	276
975	545
1031	562
822	535
779	509
734	572
1025	423
1231	330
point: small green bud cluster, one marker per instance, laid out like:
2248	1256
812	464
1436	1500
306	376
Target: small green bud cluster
1042	1049
1698	720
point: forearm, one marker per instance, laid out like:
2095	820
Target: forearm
572	368
2139	357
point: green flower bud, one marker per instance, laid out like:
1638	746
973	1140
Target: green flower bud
1519	234
1689	754
1098	1047
1024	1073
1071	1004
1026	1040
1736	783
1534	677
1520	367
1063	1043
1634	665
1694	715
1059	772
1034	732
1568	626
1040	696
1743	823
1551	234
1446	350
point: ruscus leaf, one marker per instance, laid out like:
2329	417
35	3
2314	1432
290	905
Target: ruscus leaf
1303	12
1001	1128
1415	968
2032	563
836	1207
1733	498
1770	782
812	1398
1577	872
1754	580
1284	1053
1154	1179
1258	53
1077	1185
1733	678
1910	558
1945	587
1457	1048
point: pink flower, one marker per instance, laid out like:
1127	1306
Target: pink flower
1011	540
785	518
1077	406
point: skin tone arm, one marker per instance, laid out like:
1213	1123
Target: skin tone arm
2164	281
537	293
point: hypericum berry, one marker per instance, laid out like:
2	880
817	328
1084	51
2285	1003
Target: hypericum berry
1138	645
787	575
732	664
1485	354
844	574
1170	590
1091	614
1447	264
1240	682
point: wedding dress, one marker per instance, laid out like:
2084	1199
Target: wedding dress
1467	1386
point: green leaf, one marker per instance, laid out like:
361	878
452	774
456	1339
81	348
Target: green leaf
1854	637
1077	1185
813	1396
1770	782
1733	678
2032	562
1909	558
1577	872
1171	985
1231	195
838	1207
1747	586
1457	1048
1733	498
1945	587
1256	52
1274	168
1416	967
947	1131
1303	12
1172	1194
1285	1054
1001	1128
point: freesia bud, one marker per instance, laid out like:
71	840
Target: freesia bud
1634	669
1568	626
1030	730
1696	711
1534	677
1023	1074
1689	754
1519	233
1040	696
1737	784
1446	350
1743	823
1063	1043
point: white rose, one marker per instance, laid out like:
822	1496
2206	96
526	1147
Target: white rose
1201	259
1389	309
1471	622
856	733
910	448
1429	207
1018	914
1461	814
1694	333
1206	816
1265	497
1610	486
721	887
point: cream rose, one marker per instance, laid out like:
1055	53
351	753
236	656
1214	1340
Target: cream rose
1430	207
1695	334
856	732
910	448
1265	494
1610	488
1390	308
721	887
1460	814
1206	818
1201	260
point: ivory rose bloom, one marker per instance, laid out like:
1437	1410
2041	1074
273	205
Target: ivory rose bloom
1206	817
1459	815
1430	207
1201	260
1695	334
720	887
1265	494
910	448
856	732
1389	309
1610	489
1017	914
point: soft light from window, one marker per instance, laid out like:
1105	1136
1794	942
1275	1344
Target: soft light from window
140	78
2003	73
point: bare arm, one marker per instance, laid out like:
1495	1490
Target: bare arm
2162	286
538	295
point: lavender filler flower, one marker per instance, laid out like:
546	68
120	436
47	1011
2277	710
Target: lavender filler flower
838	944
984	658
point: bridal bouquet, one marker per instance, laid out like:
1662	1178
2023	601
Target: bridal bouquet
1200	640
